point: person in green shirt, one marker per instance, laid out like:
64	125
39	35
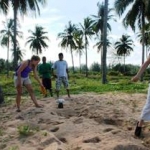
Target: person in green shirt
45	73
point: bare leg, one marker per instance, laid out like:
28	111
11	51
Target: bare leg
57	93
140	123
30	90
68	92
18	98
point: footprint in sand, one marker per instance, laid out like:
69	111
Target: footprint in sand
92	140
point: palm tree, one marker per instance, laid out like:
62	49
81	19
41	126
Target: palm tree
100	44
104	64
4	6
20	53
147	37
67	39
23	6
37	39
7	37
138	12
79	47
124	46
98	27
86	31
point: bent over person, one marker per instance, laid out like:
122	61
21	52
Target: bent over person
21	78
145	114
61	68
45	73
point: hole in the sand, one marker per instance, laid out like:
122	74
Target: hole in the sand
128	147
62	139
54	129
108	129
92	140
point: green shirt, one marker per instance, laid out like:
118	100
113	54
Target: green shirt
45	70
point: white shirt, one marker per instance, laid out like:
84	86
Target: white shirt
60	67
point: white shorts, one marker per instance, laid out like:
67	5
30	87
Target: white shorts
145	115
23	81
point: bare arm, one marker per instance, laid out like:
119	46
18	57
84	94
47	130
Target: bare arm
36	75
67	73
141	70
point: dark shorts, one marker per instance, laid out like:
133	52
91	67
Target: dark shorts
47	83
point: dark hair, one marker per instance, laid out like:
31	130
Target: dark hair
35	57
60	54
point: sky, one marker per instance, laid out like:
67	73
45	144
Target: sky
55	16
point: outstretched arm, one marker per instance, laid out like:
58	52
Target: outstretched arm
141	70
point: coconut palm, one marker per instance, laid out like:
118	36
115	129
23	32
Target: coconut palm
137	14
86	32
99	45
98	19
23	6
4	6
7	37
99	28
20	54
68	40
79	47
37	40
147	37
124	46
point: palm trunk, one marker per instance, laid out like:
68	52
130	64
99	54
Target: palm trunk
101	53
8	59
104	65
80	61
124	62
86	58
15	29
143	37
72	59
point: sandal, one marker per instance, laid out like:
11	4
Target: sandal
138	130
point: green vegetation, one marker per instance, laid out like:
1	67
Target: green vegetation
14	148
27	130
79	84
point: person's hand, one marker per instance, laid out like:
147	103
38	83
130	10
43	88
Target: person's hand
135	79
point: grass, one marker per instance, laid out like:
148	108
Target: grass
79	84
26	130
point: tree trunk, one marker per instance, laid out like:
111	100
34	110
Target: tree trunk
72	59
15	29
1	96
8	59
143	37
86	58
104	64
124	62
80	61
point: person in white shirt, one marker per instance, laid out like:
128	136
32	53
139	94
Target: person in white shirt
61	75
